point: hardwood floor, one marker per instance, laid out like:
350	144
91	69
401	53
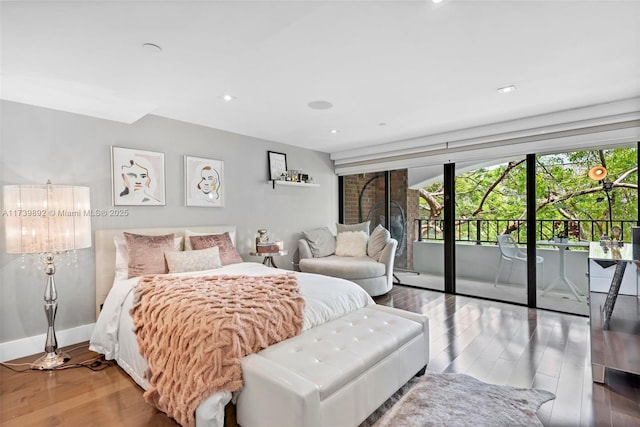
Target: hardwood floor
74	397
506	344
494	342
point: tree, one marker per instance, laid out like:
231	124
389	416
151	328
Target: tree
563	193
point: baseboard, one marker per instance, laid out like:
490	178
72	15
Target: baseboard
34	345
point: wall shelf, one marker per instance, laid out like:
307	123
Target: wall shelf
293	184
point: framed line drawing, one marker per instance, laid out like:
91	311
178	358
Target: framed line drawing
277	164
204	182
137	177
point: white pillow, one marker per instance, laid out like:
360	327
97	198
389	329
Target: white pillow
351	243
122	258
377	242
193	260
362	226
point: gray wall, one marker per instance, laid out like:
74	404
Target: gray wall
37	144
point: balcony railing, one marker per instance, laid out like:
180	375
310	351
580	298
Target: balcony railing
481	231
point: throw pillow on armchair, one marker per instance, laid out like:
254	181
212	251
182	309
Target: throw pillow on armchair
321	242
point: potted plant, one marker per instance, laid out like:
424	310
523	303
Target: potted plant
560	232
560	237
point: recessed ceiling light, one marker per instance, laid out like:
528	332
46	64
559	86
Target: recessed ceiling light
507	89
320	105
151	47
228	98
333	131
437	1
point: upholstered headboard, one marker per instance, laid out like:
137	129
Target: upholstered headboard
106	251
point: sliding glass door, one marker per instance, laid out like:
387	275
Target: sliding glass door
490	231
520	228
575	208
385	198
425	268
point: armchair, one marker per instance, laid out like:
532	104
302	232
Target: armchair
374	276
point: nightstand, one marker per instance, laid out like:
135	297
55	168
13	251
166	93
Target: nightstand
268	257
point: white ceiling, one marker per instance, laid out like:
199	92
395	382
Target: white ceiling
421	68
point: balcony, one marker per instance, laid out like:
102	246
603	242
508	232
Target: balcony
477	256
484	231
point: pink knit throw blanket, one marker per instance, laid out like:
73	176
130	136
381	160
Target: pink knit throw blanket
194	331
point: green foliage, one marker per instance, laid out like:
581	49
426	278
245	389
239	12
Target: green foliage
563	191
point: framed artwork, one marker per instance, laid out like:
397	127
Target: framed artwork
277	164
137	177
204	182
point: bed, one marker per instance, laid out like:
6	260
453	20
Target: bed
325	300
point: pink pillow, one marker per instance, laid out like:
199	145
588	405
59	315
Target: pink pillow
228	253
146	253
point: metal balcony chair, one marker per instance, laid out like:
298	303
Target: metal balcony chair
509	251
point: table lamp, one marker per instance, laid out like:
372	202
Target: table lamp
47	219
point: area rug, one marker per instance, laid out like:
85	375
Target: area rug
458	400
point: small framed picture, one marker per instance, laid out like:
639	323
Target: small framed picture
137	177
277	164
204	182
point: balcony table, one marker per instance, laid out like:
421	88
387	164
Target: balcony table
562	275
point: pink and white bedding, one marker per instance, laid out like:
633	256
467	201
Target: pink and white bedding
326	298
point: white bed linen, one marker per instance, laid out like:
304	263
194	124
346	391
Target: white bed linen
326	298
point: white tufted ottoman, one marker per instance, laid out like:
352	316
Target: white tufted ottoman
336	374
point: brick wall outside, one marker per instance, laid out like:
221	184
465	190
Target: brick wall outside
413	213
366	205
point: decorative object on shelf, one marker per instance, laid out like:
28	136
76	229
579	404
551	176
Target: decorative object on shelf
297	176
204	182
277	165
49	220
137	177
279	174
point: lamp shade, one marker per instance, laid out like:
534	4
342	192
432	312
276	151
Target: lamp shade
598	173
46	218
